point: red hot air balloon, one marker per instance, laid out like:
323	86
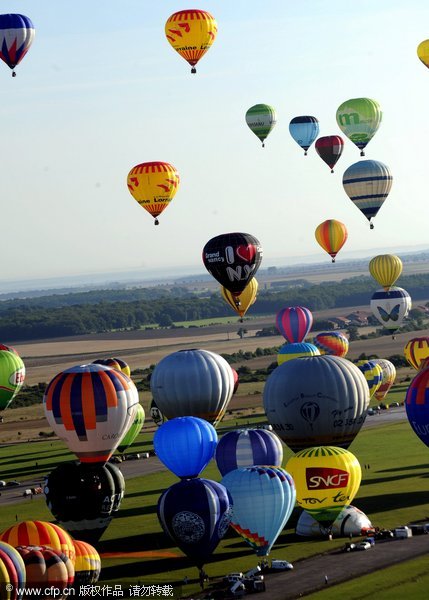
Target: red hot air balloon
294	323
330	148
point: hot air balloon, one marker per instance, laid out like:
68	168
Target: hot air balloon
12	375
320	400
330	148
195	513
185	445
296	350
350	521
84	498
12	572
155	414
263	498
153	185
423	52
294	323
46	567
416	351
388	376
134	430
385	269
90	407
417	405
367	183
16	36
248	447
373	374
390	308
332	342
304	131
233	259
195	383
359	119
39	533
87	565
243	301
326	479
331	235
115	363
191	33
261	119
236	380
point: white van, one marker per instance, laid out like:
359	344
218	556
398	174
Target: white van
282	565
403	532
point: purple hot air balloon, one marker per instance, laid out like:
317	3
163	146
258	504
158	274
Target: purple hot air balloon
248	447
294	323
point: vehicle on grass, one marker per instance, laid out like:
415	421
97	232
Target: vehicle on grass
13	483
233	577
370	411
281	565
238	589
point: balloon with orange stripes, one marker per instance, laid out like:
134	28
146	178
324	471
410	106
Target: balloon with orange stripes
331	235
39	533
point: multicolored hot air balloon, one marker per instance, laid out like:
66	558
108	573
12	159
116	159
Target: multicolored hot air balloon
350	521
263	498
87	565
134	430
243	301
39	533
385	269
331	235
373	374
294	323
296	350
45	568
185	445
359	119
115	363
12	375
330	148
153	185
233	259
191	33
261	119
248	447
326	479
367	183
91	407
417	405
195	383
12	572
195	514
320	400
332	342
16	36
416	351
391	307
388	376
423	52
304	131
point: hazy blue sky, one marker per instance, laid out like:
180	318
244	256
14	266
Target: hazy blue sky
101	90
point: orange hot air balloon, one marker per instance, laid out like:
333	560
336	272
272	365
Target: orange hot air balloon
40	533
191	33
331	235
153	185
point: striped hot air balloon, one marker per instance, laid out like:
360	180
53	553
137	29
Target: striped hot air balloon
334	343
388	376
359	119
46	567
331	235
417	405
416	351
87	565
248	447
39	533
12	572
294	323
114	363
385	269
16	36
373	374
304	130
90	407
296	350
261	119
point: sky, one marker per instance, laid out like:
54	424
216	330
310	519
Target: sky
101	90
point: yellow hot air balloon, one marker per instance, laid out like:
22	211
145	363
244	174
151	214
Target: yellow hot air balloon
243	301
385	269
191	33
153	185
423	52
326	479
416	352
332	236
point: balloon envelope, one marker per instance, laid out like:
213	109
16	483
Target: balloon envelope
331	235
134	430
294	323
359	119
248	447
373	374
44	566
391	307
261	119
423	52
334	343
241	302
296	350
12	375
39	533
385	269
330	148
87	565
350	521
16	36
416	351
304	131
417	405
12	572
367	183
388	376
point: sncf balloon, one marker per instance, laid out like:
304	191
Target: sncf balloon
385	269
233	259
304	130
326	479
248	447
87	565
367	183
39	533
417	405
423	52
350	521
359	119
294	323
320	400
196	383
243	301
134	430
185	445
388	376
296	350
153	185
261	119
195	514
332	342
390	308
16	36
191	33
12	572
330	148
12	375
373	374
416	351
263	498
91	407
331	235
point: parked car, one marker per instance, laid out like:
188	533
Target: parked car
233	577
363	546
281	565
13	483
370	411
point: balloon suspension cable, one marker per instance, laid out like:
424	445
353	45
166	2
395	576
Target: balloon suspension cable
193	70
362	153
371	225
156	222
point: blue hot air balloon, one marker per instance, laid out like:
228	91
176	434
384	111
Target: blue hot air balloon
417	405
263	499
248	447
185	445
304	131
16	36
196	514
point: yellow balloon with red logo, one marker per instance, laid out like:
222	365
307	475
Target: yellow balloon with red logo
326	479
153	185
191	33
243	301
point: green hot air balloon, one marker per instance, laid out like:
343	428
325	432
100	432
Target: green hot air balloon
261	119
359	119
12	375
135	428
